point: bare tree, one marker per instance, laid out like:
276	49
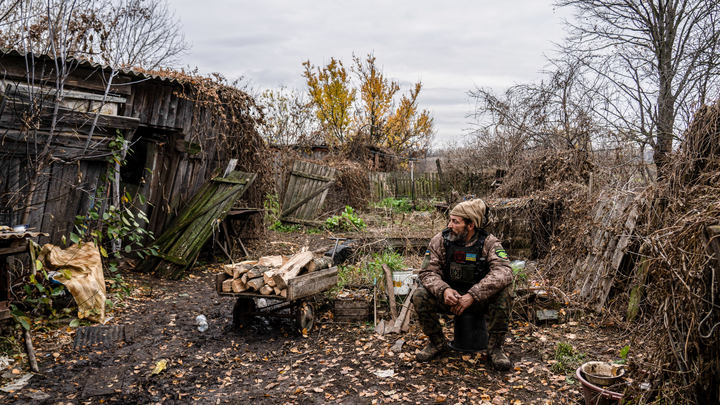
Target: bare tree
137	34
141	34
556	113
658	57
288	118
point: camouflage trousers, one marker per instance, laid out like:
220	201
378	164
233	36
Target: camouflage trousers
428	307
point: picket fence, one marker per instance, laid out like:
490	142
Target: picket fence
403	185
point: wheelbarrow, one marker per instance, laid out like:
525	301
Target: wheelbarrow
296	305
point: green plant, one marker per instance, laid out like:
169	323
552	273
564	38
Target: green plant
42	296
370	271
567	359
623	355
272	209
396	204
311	230
520	275
348	220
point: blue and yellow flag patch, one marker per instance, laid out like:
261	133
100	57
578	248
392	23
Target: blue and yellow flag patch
427	252
501	253
471	257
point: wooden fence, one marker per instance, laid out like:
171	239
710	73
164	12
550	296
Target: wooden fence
402	184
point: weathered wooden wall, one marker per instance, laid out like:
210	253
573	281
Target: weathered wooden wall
179	142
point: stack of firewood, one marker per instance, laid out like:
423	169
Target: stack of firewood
270	275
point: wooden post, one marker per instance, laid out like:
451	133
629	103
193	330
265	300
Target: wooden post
412	182
441	185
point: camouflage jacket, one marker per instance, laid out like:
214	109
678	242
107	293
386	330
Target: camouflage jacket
499	277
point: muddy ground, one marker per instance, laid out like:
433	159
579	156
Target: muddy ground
268	361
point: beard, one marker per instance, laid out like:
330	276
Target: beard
454	237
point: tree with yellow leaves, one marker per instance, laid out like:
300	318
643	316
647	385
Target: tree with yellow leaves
375	119
408	128
376	98
333	97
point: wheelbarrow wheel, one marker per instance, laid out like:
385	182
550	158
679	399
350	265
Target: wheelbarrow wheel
242	311
305	318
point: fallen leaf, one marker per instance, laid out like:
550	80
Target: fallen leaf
159	367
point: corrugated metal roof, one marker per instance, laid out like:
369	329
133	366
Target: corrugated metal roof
94	65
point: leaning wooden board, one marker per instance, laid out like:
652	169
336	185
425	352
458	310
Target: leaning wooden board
299	287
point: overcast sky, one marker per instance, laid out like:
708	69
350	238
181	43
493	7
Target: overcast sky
451	46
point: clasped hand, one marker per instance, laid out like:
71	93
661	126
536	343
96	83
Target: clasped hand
457	303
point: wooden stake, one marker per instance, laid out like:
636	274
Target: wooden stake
30	352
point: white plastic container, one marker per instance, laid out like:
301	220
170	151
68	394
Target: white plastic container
402	280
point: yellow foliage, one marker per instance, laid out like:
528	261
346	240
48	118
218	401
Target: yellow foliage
377	121
376	93
330	91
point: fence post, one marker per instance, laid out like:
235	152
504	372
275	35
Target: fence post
412	182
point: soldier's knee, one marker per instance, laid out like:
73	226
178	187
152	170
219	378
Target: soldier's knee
420	296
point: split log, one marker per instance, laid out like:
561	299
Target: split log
271	261
255	283
238	286
319	263
245	278
390	287
257	271
227	285
292	268
269	275
234	269
266	290
283	293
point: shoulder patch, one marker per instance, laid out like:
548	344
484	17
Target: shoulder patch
427	252
501	253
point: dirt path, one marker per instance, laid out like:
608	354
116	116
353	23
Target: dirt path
268	362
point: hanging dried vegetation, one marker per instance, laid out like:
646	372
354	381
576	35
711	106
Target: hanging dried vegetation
680	322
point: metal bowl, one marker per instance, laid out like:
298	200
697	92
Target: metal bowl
602	373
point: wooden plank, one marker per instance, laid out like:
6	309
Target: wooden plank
172	110
193	227
280	275
404	313
390	290
312	176
311	283
165	106
312	195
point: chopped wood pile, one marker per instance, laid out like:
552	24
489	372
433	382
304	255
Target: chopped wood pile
270	275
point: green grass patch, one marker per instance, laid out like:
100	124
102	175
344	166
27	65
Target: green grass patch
567	359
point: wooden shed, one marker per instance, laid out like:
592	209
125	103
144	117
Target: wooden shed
180	130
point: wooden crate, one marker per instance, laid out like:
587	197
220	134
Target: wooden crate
351	310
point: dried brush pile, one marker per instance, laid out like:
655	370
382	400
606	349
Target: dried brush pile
679	331
352	185
538	169
224	125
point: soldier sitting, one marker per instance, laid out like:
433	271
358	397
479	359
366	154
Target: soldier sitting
465	269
